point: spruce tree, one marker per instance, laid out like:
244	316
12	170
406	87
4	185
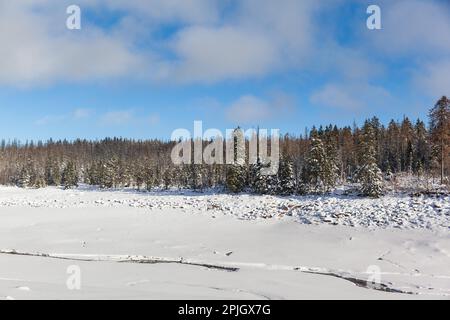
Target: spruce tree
235	178
196	177
320	173
24	178
261	182
149	178
286	177
39	181
70	176
440	132
236	172
168	178
421	147
52	174
49	179
109	174
94	173
370	174
138	175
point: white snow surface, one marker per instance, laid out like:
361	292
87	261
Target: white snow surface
185	245
392	211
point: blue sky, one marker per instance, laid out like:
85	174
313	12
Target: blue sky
142	69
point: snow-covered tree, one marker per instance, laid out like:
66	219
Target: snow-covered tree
316	155
440	132
70	176
196	177
320	173
138	175
286	178
261	183
370	175
124	174
24	178
39	181
94	173
109	173
236	172
149	177
168	178
236	179
52	174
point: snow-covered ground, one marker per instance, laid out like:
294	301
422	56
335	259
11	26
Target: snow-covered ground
391	211
168	245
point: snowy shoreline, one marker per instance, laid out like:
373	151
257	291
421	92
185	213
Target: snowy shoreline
391	211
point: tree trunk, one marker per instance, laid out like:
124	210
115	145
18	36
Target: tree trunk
442	160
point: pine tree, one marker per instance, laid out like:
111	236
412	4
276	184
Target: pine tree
27	176
273	184
236	173
122	174
440	132
320	173
178	177
235	178
49	173
196	177
286	177
56	174
39	182
138	175
421	147
109	174
261	182
369	174
94	173
24	178
52	175
149	178
70	176
252	173
168	178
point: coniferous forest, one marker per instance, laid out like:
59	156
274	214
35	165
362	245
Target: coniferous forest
313	163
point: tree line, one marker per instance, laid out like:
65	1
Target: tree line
311	163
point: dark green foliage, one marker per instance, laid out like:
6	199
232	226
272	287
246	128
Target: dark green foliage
70	176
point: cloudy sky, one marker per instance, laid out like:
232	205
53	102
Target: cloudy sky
142	68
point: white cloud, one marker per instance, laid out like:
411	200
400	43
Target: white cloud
111	118
255	39
250	109
154	119
165	11
36	49
349	96
335	96
413	27
127	118
416	33
207	54
434	78
288	24
81	113
117	118
77	114
50	119
263	37
250	39
349	63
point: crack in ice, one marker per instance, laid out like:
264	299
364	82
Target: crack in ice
223	266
